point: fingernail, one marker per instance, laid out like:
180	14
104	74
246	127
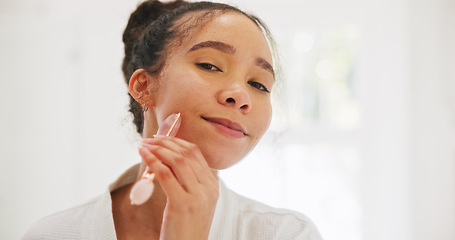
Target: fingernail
149	140
146	145
145	140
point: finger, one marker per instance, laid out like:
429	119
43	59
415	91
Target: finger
184	148
195	157
203	166
180	145
163	174
194	148
179	164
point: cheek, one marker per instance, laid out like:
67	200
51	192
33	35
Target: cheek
264	117
185	79
268	119
182	90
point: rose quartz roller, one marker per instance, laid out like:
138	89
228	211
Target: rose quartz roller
143	189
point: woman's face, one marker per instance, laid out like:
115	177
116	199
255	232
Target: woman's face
219	79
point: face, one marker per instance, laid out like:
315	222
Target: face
220	79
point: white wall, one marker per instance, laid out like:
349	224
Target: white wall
66	133
432	120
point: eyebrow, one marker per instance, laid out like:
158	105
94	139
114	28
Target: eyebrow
261	62
220	46
229	49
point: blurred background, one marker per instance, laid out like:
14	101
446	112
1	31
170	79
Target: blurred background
362	139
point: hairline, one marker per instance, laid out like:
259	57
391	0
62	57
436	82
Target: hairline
207	15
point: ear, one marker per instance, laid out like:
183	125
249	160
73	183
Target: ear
140	85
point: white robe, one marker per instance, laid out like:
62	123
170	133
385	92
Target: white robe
236	217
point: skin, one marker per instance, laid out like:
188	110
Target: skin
212	87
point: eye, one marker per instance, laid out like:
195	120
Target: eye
209	67
259	86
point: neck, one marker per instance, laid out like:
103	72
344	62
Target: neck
150	124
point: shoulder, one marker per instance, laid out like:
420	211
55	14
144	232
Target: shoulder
73	223
92	220
266	222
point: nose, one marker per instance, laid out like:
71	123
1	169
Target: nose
235	96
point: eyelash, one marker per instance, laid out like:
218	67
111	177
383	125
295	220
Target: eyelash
259	86
209	67
254	84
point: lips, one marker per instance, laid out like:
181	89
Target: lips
226	126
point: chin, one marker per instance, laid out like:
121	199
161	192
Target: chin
219	163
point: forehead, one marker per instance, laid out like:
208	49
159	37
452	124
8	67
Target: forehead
230	27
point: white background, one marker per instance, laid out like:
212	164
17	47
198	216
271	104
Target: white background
66	133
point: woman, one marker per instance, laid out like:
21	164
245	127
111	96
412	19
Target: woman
212	64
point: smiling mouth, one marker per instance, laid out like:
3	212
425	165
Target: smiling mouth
226	126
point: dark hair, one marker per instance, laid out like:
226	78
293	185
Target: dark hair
152	31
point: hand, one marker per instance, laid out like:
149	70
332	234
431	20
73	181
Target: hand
189	184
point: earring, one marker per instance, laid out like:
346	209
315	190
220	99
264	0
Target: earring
142	94
144	108
139	81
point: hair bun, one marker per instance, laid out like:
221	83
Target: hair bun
143	16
